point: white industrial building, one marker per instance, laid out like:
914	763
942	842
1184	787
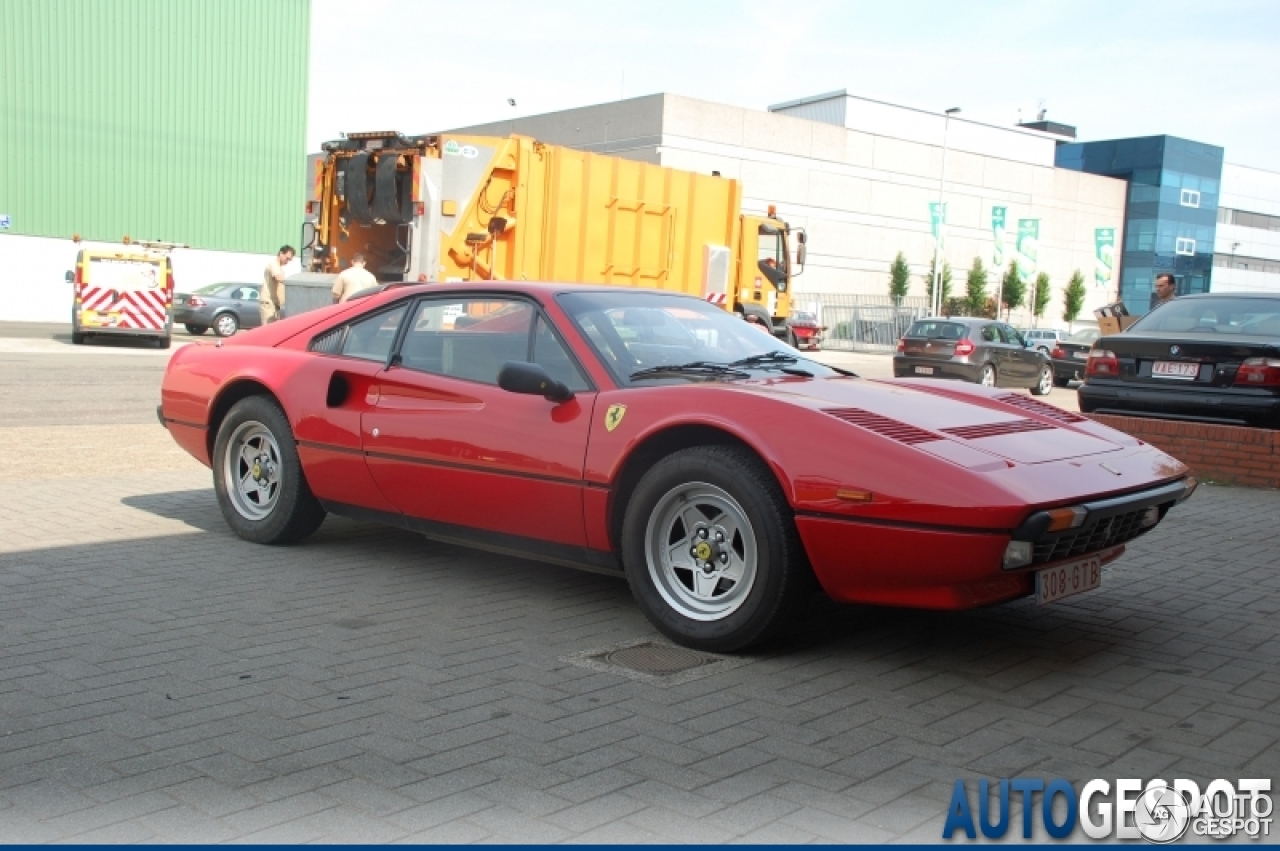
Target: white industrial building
859	175
1246	251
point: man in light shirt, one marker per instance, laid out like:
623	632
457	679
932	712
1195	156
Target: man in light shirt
271	298
352	280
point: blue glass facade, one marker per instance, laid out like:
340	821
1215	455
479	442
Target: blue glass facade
1172	210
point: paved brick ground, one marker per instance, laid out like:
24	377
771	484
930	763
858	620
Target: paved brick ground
162	680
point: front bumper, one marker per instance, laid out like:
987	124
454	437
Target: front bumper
942	568
1226	405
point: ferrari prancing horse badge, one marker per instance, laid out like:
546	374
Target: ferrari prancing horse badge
613	416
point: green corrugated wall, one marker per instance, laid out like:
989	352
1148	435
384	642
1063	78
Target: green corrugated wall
176	120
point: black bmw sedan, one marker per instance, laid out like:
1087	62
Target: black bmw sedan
1213	357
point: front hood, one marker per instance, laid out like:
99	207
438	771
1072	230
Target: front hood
972	426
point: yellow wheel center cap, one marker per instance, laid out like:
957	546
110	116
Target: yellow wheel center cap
257	471
703	550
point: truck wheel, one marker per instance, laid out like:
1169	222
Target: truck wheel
163	342
77	338
196	330
711	551
258	477
791	339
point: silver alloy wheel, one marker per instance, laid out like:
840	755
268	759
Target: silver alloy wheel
252	470
225	325
701	551
1046	380
988	378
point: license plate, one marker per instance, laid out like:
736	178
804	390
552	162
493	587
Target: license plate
924	370
1066	580
1080	355
1165	369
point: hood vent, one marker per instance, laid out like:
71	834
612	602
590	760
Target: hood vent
890	428
977	432
1044	409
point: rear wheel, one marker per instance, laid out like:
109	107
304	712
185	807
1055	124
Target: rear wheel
258	477
1044	386
196	330
711	550
77	338
163	342
226	324
987	378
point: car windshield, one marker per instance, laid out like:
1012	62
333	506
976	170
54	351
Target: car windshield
636	334
212	289
1085	335
1255	317
935	329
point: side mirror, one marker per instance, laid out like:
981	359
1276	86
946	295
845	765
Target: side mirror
70	277
532	379
800	253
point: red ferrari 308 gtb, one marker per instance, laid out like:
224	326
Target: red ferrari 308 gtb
657	436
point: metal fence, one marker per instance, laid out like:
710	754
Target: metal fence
862	323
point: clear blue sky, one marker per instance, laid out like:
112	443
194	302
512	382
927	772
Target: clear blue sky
1208	71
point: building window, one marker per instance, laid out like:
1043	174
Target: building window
1185	246
1190	197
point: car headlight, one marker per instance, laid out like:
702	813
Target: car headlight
1018	554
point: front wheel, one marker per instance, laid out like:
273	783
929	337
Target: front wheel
1044	386
711	550
987	378
258	477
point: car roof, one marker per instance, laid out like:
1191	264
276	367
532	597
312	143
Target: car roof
543	288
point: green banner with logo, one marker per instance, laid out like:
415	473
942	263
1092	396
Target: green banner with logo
1028	248
1104	243
938	221
998	215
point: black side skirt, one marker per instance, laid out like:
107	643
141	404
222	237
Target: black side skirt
582	558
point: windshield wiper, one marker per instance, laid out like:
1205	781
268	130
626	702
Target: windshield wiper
765	359
695	368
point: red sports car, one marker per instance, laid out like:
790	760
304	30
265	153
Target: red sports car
654	435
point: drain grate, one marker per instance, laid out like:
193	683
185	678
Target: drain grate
655	662
652	658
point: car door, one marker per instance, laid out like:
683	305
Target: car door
246	299
448	446
993	350
1024	362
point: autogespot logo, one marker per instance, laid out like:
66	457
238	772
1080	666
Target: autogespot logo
1157	811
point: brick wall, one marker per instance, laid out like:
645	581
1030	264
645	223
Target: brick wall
1229	454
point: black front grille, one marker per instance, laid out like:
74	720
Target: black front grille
1092	536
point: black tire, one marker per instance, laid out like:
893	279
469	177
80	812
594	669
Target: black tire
1058	381
295	512
782	581
988	370
1044	385
77	338
791	339
196	330
164	342
226	324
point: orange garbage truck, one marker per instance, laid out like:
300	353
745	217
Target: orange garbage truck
464	208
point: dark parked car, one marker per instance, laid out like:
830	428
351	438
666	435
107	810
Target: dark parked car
984	351
1071	354
226	308
1210	357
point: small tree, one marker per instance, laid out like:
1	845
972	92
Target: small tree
1043	293
1013	292
946	282
975	289
899	278
1073	297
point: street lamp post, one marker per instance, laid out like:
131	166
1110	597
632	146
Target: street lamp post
942	214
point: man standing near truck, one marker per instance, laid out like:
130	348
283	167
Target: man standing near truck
271	299
352	280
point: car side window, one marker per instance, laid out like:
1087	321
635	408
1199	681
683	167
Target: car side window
467	338
249	293
989	334
371	338
1008	335
551	355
